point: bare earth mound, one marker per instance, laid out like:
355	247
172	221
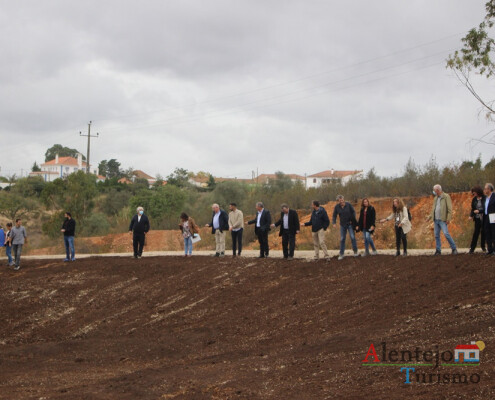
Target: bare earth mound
205	328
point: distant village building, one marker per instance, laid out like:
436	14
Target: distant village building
138	174
265	178
61	167
326	177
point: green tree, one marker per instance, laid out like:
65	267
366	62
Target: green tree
76	194
29	187
35	167
13	206
114	170
477	54
179	178
61	151
211	182
103	168
164	202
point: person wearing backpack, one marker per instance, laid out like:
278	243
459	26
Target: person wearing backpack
400	214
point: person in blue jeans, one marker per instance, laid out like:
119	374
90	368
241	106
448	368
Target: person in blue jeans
188	228
441	214
347	216
8	245
366	224
69	231
2	237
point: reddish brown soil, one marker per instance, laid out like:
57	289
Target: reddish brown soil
205	328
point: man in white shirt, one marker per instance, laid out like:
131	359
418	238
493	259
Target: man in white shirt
219	225
263	221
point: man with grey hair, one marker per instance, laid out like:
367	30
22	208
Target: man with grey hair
263	221
219	225
441	214
139	227
489	218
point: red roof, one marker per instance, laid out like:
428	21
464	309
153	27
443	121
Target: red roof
334	174
467	347
64	161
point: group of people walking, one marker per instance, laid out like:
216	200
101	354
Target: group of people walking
482	214
13	239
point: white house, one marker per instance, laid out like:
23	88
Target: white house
467	353
61	167
326	177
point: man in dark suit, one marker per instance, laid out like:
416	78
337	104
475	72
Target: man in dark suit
487	225
263	221
289	227
139	227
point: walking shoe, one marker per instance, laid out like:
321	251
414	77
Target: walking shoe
65	260
73	259
483	249
365	254
11	264
290	258
356	253
397	253
454	252
438	253
222	254
374	253
471	252
135	256
341	257
404	254
261	256
17	268
316	258
216	255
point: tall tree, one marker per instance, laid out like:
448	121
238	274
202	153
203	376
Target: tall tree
477	55
35	167
62	151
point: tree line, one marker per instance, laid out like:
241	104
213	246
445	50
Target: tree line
105	207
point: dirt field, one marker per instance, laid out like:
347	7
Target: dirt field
206	328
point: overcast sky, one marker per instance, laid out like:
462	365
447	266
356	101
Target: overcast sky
232	86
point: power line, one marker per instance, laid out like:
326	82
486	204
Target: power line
286	82
185	119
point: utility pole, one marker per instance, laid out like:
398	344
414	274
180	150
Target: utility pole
89	141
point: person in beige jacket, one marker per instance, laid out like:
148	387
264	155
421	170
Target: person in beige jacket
236	227
402	224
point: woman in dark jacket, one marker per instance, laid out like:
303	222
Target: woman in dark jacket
477	213
366	224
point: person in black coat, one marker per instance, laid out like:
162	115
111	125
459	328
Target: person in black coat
263	221
488	226
219	225
366	224
477	215
69	231
289	227
139	227
319	223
